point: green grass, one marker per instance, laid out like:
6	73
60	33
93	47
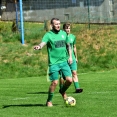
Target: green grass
26	97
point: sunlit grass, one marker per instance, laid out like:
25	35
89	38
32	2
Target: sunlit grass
26	97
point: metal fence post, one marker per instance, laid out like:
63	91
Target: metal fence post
88	1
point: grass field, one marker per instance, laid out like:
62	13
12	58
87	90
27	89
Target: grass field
26	97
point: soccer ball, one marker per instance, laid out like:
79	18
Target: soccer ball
70	101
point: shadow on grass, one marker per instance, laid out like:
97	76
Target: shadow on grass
26	105
37	93
23	105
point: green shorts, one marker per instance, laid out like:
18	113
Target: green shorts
73	66
54	70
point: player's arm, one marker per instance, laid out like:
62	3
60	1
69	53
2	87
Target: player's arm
75	52
70	53
40	46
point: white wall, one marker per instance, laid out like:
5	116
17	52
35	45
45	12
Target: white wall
104	13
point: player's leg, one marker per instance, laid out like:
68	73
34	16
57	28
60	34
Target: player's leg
66	85
65	69
51	92
76	82
53	73
73	67
61	80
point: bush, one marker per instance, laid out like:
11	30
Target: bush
96	49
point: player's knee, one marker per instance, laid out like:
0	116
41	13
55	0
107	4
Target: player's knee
69	80
55	82
74	73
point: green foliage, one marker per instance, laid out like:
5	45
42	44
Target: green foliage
6	35
96	49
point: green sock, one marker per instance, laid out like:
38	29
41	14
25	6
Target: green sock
64	88
50	96
61	86
76	84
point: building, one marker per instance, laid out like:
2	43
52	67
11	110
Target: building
80	11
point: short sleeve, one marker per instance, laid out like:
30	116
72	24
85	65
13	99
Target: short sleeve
45	38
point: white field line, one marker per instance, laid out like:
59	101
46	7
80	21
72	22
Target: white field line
48	80
94	72
102	92
20	98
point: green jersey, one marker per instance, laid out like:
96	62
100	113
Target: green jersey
72	41
56	46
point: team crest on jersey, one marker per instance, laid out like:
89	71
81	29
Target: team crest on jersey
62	36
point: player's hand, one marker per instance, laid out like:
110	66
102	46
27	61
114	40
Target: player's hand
37	48
70	60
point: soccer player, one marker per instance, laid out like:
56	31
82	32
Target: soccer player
73	66
58	58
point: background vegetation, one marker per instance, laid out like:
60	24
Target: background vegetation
96	49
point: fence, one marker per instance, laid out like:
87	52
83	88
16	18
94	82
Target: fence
80	11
